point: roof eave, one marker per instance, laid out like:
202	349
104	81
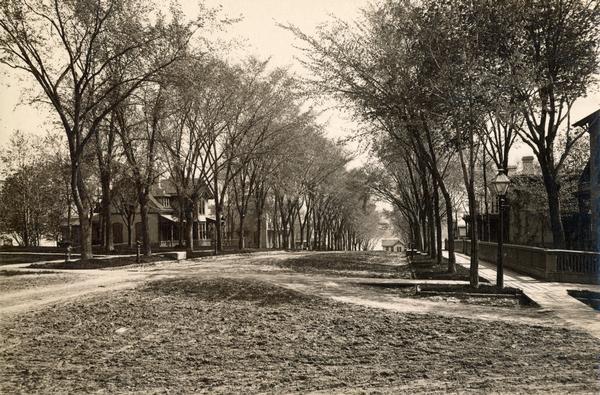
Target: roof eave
588	119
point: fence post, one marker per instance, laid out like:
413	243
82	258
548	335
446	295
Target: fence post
551	260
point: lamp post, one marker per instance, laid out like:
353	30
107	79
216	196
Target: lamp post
500	184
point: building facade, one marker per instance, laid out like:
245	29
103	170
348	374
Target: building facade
164	225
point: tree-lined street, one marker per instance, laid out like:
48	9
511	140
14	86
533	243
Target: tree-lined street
347	196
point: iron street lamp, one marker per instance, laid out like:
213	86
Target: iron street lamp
500	184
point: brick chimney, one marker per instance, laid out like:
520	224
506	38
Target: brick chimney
527	163
511	170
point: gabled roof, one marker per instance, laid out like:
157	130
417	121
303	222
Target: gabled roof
166	188
390	242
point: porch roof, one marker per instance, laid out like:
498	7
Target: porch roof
169	217
201	218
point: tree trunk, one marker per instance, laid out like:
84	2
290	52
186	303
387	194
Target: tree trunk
292	232
486	229
423	232
552	189
301	227
301	231
308	240
315	230
105	170
417	244
85	237
79	192
69	226
129	241
438	223
229	223
348	240
474	267
450	224
25	229
218	235
259	203
468	176
146	248
285	235
431	230
259	222
106	217
218	213
189	228
241	241
180	222
276	243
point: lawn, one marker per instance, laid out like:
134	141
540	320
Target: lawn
192	334
100	263
11	259
355	264
428	269
484	295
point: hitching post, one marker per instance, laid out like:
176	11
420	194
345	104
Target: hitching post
137	255
68	253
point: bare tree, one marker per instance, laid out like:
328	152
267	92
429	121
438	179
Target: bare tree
69	48
139	127
555	65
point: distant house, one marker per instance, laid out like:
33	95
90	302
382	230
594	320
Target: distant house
393	245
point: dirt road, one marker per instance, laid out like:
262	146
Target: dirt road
258	266
263	323
78	284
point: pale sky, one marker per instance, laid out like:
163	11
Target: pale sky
258	32
260	35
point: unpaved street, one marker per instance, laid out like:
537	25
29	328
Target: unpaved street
276	323
85	283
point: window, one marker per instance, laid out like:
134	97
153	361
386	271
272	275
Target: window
166	202
201	208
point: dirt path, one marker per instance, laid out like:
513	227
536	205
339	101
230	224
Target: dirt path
343	289
25	300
